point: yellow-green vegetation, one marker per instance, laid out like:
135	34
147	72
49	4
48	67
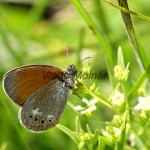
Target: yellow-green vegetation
109	106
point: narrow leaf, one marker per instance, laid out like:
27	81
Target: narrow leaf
68	132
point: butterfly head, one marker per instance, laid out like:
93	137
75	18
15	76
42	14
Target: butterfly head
71	70
70	74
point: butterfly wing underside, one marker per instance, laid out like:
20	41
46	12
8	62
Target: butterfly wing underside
43	109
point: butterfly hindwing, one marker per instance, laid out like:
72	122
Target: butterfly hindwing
43	108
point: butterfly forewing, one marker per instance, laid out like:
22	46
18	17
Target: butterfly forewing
21	82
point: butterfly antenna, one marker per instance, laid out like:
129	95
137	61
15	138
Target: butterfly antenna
77	95
67	55
86	58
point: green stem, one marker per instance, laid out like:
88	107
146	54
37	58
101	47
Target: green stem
116	88
81	45
101	17
128	11
132	34
137	85
144	146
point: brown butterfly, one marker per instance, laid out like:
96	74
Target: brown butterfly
41	91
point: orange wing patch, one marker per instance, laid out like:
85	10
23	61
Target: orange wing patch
26	80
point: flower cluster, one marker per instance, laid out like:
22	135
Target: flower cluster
144	104
117	99
89	106
113	131
121	74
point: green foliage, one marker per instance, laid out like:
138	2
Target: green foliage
104	112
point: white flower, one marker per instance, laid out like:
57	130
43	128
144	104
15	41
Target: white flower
117	132
90	106
88	110
144	103
132	140
111	132
117	98
78	107
91	102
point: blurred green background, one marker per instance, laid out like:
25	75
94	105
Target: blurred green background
38	32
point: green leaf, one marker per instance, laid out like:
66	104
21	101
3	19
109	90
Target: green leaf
88	129
106	144
78	125
71	134
121	140
3	146
98	144
128	11
96	137
138	84
142	52
120	58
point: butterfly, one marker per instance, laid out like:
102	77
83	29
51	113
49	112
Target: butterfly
41	91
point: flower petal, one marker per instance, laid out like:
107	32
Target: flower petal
138	106
85	100
93	101
78	107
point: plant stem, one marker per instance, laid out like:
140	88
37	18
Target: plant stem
131	33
